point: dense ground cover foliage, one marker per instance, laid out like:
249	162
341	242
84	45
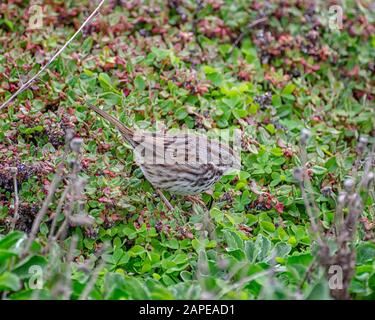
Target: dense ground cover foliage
177	64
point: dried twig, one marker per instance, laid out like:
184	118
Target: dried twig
42	212
67	280
16	199
306	189
95	274
73	191
308	273
351	199
57	213
29	82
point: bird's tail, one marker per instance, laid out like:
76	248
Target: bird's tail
126	132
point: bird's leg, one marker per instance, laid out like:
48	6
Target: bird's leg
195	199
165	200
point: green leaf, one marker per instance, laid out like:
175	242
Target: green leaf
262	247
160	54
239	113
146	267
161	293
278	152
250	251
29	131
267	226
215	78
365	253
168	281
233	240
331	164
288	89
197	246
300	258
136	250
237	253
106	82
186	275
319	291
87	45
6	254
114	286
173	244
318	170
251	219
216	214
139	83
11	239
271	128
9	281
181	113
371	282
7	23
282	249
111	98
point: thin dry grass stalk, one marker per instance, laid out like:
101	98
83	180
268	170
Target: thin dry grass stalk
95	274
69	203
352	201
16	198
30	81
43	211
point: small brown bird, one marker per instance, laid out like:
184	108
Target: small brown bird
183	163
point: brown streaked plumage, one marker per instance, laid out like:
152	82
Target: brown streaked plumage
183	163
